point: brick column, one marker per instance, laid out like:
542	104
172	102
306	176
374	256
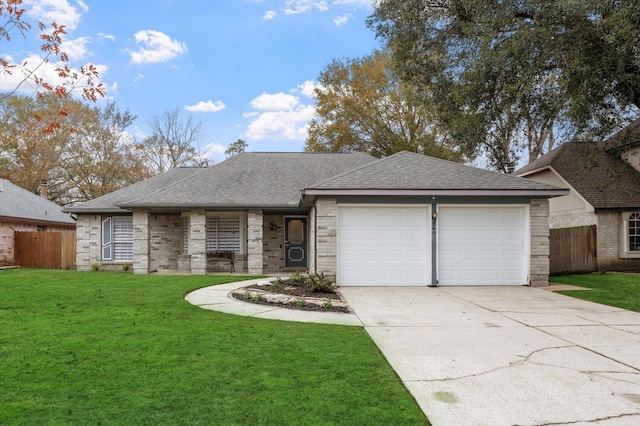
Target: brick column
140	242
254	242
198	242
326	237
539	232
88	241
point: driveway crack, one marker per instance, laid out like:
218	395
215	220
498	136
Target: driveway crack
619	416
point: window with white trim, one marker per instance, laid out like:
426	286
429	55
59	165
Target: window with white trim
633	232
224	233
184	234
117	238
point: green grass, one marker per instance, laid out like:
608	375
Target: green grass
620	290
115	348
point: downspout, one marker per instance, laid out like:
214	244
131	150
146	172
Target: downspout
434	245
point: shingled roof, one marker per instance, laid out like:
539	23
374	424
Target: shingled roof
602	178
410	171
21	205
260	180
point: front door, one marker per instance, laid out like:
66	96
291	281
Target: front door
295	242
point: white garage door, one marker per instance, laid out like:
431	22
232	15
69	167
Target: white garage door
482	246
383	246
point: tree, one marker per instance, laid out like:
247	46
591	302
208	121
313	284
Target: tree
524	73
84	79
362	106
173	143
236	148
90	154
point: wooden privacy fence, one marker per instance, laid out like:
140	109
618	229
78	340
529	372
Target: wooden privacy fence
572	250
47	250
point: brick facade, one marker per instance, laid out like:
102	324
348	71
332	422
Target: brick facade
255	234
326	241
273	243
164	242
198	242
88	241
539	235
140	242
610	244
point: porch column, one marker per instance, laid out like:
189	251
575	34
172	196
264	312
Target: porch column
140	242
539	228
198	242
254	242
326	237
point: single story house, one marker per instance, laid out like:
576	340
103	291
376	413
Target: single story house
604	192
21	210
405	220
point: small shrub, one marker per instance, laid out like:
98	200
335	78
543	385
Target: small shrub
321	284
295	278
95	267
327	304
257	297
247	296
277	282
301	302
126	267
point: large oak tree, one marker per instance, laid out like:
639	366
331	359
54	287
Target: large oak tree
518	75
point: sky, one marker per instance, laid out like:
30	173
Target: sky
244	69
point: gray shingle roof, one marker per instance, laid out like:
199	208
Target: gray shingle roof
603	179
16	202
408	170
246	180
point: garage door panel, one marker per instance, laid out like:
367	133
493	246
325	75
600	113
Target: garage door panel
481	245
397	234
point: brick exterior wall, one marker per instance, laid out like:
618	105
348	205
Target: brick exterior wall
311	265
273	243
141	242
88	241
325	237
255	227
164	243
539	234
198	242
7	230
559	221
609	244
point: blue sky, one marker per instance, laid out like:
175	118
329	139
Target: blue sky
243	68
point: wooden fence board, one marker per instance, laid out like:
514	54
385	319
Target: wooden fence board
572	250
47	250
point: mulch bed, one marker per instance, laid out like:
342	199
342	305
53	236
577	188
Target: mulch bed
299	296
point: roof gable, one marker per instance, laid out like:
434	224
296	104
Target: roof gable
600	177
18	203
410	171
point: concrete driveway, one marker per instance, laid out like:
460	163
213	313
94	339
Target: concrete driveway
507	355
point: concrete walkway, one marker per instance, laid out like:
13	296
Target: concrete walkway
490	355
507	355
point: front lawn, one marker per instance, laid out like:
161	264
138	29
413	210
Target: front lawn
115	348
621	290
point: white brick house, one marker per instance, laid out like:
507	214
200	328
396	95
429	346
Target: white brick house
406	219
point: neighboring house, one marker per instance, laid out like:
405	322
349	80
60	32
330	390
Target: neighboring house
604	183
406	220
21	210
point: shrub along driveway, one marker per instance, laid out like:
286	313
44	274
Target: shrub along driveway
507	355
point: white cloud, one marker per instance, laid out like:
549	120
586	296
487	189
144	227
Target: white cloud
155	47
269	15
58	11
307	88
274	102
206	106
213	148
107	36
280	116
294	7
341	20
76	49
367	3
44	70
138	78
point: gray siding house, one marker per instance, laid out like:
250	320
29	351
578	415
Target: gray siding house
405	220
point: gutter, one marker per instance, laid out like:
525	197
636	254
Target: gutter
545	193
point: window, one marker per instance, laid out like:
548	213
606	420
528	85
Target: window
633	228
117	238
223	233
184	234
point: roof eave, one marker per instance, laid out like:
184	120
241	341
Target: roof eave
95	210
289	205
545	193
